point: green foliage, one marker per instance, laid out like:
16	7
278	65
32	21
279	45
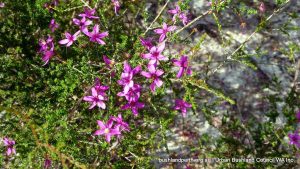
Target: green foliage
42	107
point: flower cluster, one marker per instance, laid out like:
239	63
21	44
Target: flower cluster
155	55
47	46
46	49
9	144
114	126
131	91
177	13
95	35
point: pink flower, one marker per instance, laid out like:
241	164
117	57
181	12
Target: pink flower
83	23
2	5
163	32
109	65
46	44
98	97
47	49
47	55
127	76
9	144
182	106
155	54
47	163
107	130
53	25
69	39
294	139
154	75
146	43
184	66
116	4
298	116
184	19
178	13
123	126
133	94
134	106
175	12
107	61
262	8
99	88
89	13
95	36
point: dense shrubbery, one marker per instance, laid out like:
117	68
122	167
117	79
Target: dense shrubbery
94	84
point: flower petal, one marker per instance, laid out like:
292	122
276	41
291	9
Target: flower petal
64	41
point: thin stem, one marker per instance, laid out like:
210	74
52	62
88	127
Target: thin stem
86	4
158	15
248	38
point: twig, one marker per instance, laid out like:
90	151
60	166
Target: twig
193	21
158	15
248	38
25	118
70	9
296	74
86	4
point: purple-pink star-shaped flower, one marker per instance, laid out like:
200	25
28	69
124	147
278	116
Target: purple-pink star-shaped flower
82	23
146	43
9	144
100	88
182	106
97	98
180	14
134	106
47	49
155	54
184	19
47	55
117	6
69	39
46	45
133	93
294	139
123	126
163	32
183	65
53	25
95	35
127	76
175	12
89	13
153	74
107	130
